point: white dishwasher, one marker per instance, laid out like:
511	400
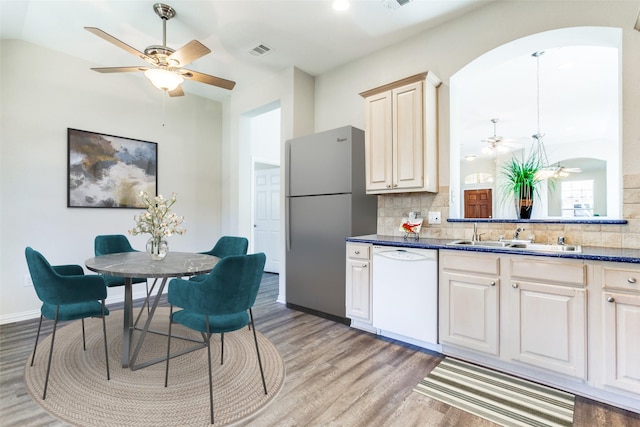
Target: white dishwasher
405	294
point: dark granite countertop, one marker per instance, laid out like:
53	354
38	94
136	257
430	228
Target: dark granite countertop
588	252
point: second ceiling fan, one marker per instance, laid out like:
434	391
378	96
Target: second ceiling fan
166	72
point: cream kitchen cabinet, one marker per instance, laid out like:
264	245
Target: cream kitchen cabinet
537	318
401	136
620	347
358	286
469	297
546	311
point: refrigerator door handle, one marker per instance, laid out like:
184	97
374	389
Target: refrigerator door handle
287	173
287	229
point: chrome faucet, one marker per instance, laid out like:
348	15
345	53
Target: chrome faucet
517	233
476	237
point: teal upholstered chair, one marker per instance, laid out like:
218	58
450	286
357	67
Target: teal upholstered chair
113	244
229	245
220	303
66	294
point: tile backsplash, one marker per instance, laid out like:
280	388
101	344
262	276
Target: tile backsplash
392	207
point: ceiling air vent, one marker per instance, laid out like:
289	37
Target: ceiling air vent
260	50
394	4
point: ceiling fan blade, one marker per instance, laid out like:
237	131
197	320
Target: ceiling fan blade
176	92
122	45
205	78
188	53
119	69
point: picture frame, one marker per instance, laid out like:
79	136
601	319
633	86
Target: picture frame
107	171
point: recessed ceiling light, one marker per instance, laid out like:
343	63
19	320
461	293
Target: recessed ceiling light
341	5
469	158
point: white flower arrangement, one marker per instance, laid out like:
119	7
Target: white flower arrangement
157	221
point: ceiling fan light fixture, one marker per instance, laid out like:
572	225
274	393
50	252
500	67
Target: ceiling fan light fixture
164	79
340	5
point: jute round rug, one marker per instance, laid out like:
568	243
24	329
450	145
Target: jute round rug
80	394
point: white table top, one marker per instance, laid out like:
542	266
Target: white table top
140	264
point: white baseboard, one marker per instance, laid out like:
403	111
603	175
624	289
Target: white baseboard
18	317
138	292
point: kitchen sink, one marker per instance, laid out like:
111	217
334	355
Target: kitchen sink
517	244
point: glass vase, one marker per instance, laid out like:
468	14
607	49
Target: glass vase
157	248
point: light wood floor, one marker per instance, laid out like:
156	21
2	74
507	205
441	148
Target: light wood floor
336	376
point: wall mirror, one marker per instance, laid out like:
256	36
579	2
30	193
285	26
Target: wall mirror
564	85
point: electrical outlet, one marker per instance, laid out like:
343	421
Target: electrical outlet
27	281
434	218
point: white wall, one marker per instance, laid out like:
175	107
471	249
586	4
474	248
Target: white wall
42	94
293	89
450	46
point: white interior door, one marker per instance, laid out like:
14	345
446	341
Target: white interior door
266	227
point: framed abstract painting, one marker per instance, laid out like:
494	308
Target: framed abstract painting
106	171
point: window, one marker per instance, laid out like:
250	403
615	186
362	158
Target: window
577	198
478	178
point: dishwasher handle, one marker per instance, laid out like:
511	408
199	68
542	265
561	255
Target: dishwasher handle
405	255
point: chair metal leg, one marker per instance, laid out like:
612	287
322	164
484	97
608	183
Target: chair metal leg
222	348
53	338
84	343
166	372
106	350
36	344
208	340
255	338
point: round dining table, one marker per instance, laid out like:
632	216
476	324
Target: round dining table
130	265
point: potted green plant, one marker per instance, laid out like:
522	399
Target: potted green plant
521	183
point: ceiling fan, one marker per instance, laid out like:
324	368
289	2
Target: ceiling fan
166	72
495	143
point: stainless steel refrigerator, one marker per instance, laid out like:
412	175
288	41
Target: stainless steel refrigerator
325	203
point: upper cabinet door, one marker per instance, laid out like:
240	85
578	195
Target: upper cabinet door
401	136
378	150
408	136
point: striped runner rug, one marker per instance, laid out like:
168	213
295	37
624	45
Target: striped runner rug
497	397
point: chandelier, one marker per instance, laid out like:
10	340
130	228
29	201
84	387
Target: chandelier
538	150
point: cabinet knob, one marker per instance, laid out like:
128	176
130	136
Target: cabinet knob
492	283
631	280
388	185
611	299
515	285
364	265
357	252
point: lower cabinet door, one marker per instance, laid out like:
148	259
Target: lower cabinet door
469	312
549	327
358	296
622	341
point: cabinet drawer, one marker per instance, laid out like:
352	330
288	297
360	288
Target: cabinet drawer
617	278
359	251
474	263
548	271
